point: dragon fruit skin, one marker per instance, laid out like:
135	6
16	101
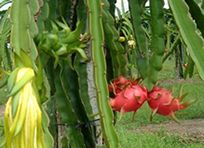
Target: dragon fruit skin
120	84
159	96
162	102
130	99
118	102
128	96
117	85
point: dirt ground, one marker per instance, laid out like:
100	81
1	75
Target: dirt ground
192	130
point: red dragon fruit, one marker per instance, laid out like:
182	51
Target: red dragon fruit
120	84
162	102
129	99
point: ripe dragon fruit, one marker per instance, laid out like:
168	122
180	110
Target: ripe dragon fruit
120	84
129	95
162	102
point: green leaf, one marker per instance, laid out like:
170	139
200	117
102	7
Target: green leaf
189	33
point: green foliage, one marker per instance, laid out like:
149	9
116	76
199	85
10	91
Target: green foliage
43	16
61	41
157	43
80	68
49	142
70	88
117	51
189	33
24	28
51	36
112	7
77	104
67	113
149	63
189	68
1	130
197	13
3	88
140	37
5	52
96	31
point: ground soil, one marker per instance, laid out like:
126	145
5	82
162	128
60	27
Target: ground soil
192	130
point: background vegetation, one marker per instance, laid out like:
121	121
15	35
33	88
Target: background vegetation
76	47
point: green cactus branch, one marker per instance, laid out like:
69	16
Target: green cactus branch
96	31
44	14
197	13
136	13
23	27
67	113
157	42
140	37
77	104
112	7
80	69
117	51
5	53
189	33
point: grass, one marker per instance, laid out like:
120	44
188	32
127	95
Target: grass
161	139
130	138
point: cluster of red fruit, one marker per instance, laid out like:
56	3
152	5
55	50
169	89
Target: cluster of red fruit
129	95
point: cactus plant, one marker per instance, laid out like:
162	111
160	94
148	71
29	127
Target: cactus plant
56	41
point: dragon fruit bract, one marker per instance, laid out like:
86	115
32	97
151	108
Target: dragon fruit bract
118	85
